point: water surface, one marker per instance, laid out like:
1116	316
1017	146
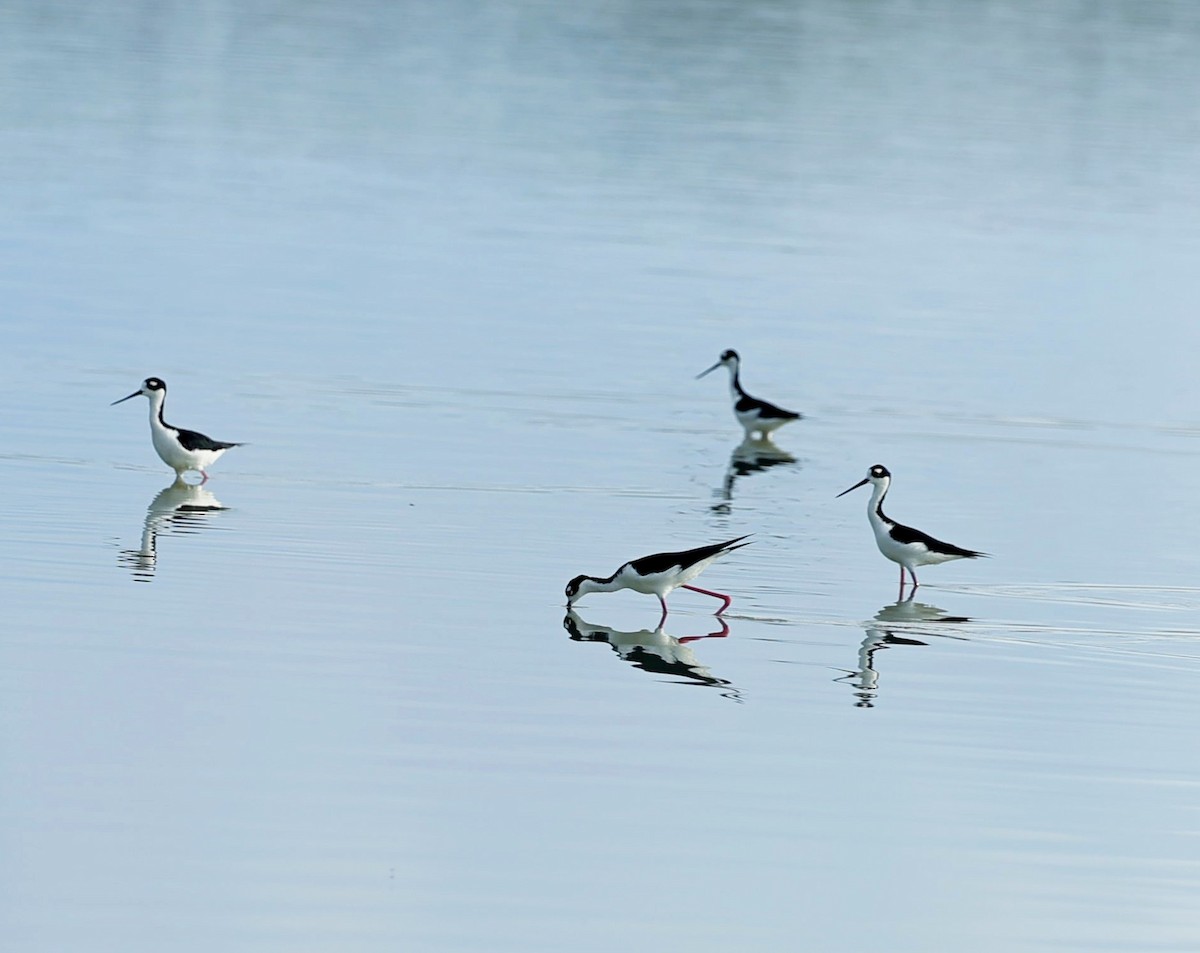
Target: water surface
450	273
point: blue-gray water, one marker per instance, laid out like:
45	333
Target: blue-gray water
449	270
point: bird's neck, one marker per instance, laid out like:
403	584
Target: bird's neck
735	384
157	399
594	584
875	504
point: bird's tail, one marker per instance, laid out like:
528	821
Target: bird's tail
737	543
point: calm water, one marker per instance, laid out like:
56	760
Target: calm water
449	270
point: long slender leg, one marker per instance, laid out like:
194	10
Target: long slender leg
914	579
204	478
663	620
725	600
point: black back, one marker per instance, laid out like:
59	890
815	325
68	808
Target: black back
906	534
190	440
769	411
664	562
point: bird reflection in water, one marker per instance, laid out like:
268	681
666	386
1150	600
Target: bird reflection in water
749	456
181	508
656	652
894	624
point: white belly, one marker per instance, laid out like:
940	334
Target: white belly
908	554
176	457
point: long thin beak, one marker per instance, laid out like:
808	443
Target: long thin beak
136	393
709	371
855	487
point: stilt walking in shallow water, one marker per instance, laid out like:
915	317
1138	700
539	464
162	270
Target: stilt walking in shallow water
755	416
659	574
902	544
180	449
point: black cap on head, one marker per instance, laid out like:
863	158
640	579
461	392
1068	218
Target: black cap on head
573	585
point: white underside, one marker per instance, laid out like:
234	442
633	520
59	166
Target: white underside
172	453
661	583
752	423
907	555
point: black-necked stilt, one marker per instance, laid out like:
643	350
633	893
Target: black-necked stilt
180	449
902	544
659	574
755	416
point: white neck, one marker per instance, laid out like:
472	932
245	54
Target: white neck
878	492
735	385
156	400
599	585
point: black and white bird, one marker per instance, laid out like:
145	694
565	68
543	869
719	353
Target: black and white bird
180	449
902	544
658	574
755	416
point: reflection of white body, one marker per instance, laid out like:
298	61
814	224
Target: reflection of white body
902	544
751	456
180	449
755	416
892	625
180	506
652	651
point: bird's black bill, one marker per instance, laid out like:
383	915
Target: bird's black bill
861	482
136	393
709	371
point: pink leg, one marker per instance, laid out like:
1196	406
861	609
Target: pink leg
725	600
204	478
662	620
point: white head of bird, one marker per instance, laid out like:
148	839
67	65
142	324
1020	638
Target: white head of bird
152	387
879	476
580	586
728	359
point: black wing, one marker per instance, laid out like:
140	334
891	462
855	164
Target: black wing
662	562
190	440
765	410
906	534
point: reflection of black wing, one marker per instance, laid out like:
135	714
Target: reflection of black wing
190	440
745	465
865	679
665	562
649	661
750	456
908	535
